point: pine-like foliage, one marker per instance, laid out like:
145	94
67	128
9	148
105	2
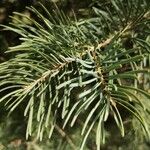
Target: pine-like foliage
67	71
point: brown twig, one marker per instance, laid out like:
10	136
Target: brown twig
64	135
33	145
